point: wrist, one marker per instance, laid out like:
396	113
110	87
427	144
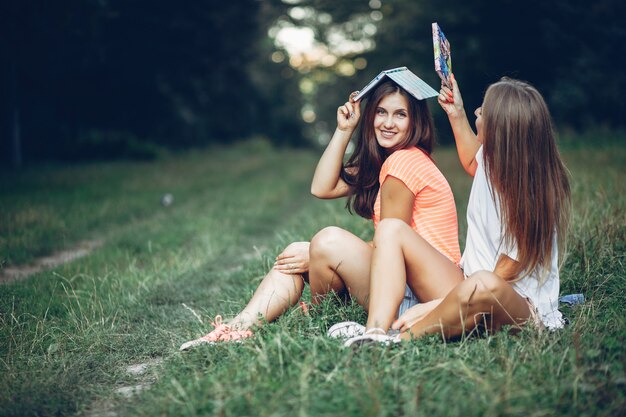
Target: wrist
344	132
457	115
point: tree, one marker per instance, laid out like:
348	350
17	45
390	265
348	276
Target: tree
100	77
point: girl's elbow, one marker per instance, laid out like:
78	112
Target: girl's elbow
315	193
319	193
470	171
470	168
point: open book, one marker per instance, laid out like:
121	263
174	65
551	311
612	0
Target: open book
405	79
443	58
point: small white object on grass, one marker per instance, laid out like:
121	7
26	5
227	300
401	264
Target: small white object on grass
167	200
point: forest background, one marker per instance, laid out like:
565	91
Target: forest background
106	79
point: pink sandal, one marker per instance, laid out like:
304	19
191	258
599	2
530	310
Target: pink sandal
221	333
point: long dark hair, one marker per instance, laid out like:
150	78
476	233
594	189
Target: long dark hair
363	167
523	165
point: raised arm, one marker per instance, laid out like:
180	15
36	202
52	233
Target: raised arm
467	144
326	181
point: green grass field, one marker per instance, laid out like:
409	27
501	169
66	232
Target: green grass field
69	335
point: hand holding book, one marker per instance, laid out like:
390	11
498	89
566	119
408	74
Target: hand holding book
450	99
349	113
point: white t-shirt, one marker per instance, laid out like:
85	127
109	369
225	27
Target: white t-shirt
484	245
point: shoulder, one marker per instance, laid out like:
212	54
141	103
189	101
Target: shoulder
409	156
412	166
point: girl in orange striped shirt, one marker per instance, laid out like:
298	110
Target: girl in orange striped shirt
390	175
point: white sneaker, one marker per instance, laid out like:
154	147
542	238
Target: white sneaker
372	337
346	329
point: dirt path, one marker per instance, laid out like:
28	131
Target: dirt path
16	273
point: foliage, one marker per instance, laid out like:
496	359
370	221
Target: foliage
199	72
175	75
566	49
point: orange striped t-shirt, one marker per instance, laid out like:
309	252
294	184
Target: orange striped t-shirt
434	212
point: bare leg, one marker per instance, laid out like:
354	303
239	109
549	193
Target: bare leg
339	260
276	293
401	255
280	289
483	296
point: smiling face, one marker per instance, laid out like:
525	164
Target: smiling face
391	123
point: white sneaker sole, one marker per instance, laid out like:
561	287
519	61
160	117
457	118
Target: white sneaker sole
346	329
192	343
370	339
200	341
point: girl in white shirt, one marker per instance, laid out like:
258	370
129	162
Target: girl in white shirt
517	215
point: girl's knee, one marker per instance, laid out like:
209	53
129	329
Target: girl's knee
326	241
483	287
389	230
293	246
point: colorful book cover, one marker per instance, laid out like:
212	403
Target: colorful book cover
443	57
405	79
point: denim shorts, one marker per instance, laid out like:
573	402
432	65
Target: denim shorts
408	301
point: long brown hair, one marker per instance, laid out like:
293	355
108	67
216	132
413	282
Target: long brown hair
363	167
524	167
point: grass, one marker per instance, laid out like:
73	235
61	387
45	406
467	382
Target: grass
67	336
